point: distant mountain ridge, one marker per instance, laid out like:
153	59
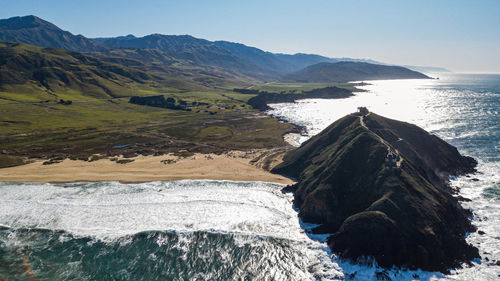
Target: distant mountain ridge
234	60
101	39
233	57
351	71
198	51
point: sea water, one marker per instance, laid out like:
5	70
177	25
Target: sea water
225	230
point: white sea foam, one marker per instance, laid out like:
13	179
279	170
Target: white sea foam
486	218
110	209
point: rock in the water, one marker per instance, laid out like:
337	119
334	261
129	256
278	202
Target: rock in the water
381	187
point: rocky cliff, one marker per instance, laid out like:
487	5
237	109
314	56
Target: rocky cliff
380	186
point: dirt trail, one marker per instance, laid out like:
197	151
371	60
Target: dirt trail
389	147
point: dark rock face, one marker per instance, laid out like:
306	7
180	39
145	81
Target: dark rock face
381	187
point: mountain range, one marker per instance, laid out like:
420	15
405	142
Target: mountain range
187	56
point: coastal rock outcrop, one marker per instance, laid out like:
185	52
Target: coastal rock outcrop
262	99
381	187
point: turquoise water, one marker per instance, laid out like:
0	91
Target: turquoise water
224	230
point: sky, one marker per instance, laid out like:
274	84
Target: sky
463	36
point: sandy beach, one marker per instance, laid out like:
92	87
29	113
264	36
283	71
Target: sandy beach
230	166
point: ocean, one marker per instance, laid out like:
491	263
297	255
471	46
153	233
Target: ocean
225	230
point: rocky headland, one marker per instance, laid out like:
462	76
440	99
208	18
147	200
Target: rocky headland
262	99
381	187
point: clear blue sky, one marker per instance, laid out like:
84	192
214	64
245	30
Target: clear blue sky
461	35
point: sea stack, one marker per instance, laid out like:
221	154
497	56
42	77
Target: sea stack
381	187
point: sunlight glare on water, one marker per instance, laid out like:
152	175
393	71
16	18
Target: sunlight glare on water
398	99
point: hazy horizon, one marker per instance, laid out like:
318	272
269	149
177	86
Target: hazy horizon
461	36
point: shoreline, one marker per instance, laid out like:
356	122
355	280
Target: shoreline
233	166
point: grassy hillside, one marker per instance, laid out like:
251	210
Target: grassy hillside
144	56
33	74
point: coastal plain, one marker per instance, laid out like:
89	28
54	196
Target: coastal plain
113	139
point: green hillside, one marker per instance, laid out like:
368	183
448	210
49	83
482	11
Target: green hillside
34	74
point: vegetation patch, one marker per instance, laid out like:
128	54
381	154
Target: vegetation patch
124	161
11	161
